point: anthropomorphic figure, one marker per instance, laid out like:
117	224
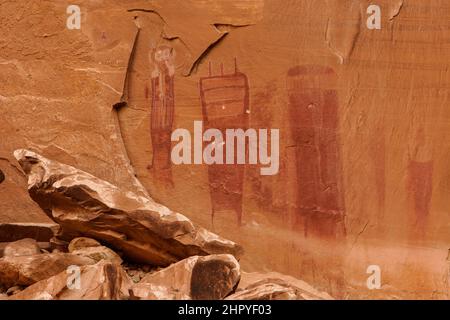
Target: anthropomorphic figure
162	110
225	103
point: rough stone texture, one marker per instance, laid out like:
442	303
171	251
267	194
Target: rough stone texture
140	228
26	270
101	281
275	286
24	247
98	253
81	243
389	100
265	291
41	232
197	278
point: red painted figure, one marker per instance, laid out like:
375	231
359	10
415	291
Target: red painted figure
313	108
225	104
162	110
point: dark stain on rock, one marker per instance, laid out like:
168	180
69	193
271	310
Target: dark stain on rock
2	176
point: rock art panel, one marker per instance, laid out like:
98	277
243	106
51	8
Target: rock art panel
162	110
225	105
313	106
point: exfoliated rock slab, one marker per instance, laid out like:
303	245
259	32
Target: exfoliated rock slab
275	286
142	229
196	278
26	270
41	232
24	247
101	281
265	291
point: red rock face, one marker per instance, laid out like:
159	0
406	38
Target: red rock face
225	102
362	113
313	105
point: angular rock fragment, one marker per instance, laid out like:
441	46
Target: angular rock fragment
101	281
26	270
265	291
142	229
24	247
196	278
41	232
275	286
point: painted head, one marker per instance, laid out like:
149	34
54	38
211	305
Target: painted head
162	58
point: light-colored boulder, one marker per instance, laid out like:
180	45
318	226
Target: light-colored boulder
101	281
99	253
142	229
24	247
196	278
275	286
26	270
265	291
82	242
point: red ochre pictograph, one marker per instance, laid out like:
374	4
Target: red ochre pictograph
225	105
419	183
313	109
162	111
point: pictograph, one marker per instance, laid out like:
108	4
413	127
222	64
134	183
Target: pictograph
225	105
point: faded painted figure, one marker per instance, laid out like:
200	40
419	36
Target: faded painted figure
313	109
225	104
162	111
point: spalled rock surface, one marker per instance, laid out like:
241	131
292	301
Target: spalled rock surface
24	247
26	270
81	243
273	285
41	232
101	281
197	278
142	229
98	253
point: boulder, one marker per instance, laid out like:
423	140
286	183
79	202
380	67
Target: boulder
26	270
275	286
142	229
44	247
24	247
101	281
99	253
196	278
81	243
265	291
